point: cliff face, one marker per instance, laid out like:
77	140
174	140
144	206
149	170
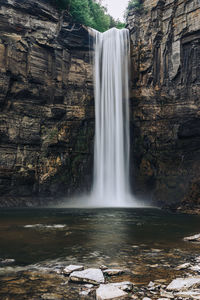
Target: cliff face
46	103
165	101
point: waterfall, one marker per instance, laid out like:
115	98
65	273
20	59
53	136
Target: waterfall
112	145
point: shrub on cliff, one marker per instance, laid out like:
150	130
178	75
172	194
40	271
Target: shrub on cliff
137	5
89	13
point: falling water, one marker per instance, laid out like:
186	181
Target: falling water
111	158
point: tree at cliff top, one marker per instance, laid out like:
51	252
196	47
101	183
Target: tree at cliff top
137	5
89	13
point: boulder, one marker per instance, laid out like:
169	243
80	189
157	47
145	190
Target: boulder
193	238
125	286
183	266
195	268
181	284
109	291
72	268
189	294
93	276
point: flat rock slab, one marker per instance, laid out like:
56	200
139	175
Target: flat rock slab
166	295
183	266
113	272
72	268
110	292
189	294
195	268
181	284
125	286
93	276
193	238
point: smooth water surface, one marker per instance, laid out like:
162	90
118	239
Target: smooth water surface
97	236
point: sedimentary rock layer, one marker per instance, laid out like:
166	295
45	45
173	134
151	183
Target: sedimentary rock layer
46	103
165	101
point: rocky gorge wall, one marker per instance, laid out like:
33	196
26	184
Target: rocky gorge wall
46	104
165	100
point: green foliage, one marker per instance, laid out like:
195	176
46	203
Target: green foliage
89	13
116	23
100	19
137	5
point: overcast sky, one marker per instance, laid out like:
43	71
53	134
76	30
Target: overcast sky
116	8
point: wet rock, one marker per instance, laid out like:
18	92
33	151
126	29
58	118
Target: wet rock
151	284
195	268
180	284
72	268
113	272
166	294
189	294
193	238
7	261
85	293
89	286
51	296
125	286
183	266
102	267
109	291
156	250
197	259
93	276
153	266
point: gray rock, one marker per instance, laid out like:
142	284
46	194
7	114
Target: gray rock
85	293
195	268
102	267
109	291
125	286
93	276
183	266
189	294
197	258
167	295
89	286
193	238
72	268
7	261
181	284
151	284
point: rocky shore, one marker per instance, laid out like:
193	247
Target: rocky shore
59	280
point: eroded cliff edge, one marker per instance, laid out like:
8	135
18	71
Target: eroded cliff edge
46	103
165	101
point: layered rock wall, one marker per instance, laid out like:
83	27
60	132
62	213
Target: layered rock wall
46	104
165	101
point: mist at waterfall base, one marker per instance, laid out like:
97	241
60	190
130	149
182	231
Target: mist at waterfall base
111	186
